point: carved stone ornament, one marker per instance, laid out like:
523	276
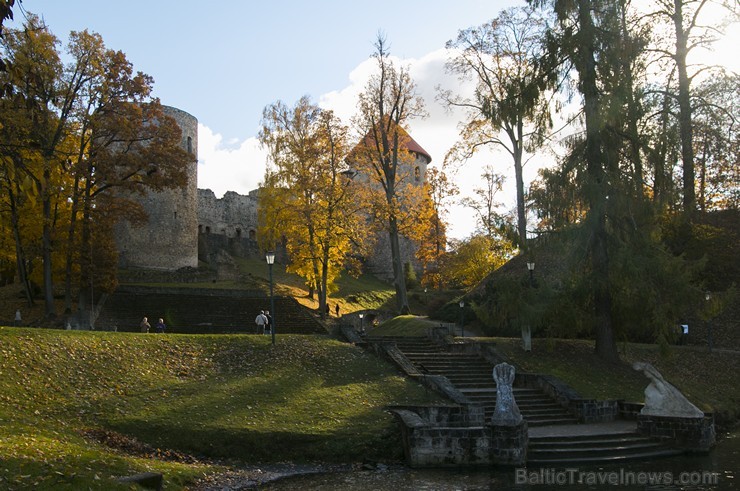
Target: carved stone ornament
506	412
662	398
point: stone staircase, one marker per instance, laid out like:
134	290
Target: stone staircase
555	437
191	311
606	442
472	376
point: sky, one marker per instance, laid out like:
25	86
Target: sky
224	62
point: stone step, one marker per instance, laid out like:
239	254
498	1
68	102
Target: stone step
616	457
490	395
589	441
444	357
585	443
549	421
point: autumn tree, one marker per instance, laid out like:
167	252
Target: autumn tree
308	197
41	104
124	145
6	13
507	108
472	259
388	102
433	244
76	132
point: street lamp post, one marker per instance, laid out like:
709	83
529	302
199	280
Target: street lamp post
530	268
708	297
362	327
462	318
270	258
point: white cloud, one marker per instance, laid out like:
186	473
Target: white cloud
238	166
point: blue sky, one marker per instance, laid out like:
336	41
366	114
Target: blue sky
224	61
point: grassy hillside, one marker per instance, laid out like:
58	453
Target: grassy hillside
709	380
78	409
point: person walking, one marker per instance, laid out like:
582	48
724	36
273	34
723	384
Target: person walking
160	327
18	321
261	322
144	326
268	325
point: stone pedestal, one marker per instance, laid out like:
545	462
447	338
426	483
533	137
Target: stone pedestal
689	434
509	444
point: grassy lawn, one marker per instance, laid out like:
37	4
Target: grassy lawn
352	294
186	406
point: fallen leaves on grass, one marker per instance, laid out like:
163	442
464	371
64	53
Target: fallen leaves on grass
132	446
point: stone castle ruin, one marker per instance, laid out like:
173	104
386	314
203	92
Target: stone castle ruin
169	240
189	225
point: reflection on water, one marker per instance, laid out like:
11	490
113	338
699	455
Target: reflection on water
720	470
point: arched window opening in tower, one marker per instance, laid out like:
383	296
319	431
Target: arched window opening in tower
190	144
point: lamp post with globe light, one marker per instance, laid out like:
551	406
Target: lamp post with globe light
462	318
270	258
710	342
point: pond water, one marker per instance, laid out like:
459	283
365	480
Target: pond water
720	470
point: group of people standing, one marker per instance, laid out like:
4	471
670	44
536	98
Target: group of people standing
159	327
264	322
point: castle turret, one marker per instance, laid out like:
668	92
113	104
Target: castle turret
169	240
412	171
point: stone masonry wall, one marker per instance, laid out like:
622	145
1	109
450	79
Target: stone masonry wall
233	216
169	240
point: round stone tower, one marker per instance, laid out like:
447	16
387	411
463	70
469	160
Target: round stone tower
169	241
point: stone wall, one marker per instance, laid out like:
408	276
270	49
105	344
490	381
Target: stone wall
233	216
169	240
189	224
689	434
429	441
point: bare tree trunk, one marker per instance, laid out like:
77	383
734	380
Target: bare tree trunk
684	115
399	282
519	176
662	182
70	248
20	257
46	246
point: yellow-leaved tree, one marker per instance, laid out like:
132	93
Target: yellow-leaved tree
385	160
308	200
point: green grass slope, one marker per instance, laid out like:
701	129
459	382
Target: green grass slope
709	380
78	409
